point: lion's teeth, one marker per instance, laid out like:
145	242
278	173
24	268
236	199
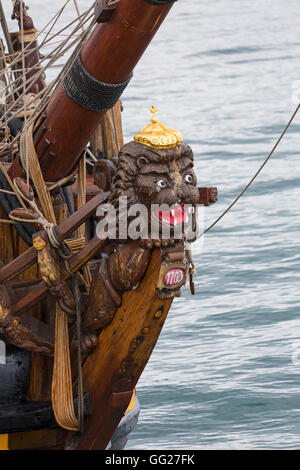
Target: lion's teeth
175	222
173	212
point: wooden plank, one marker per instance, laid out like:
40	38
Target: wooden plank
108	137
4	442
44	439
110	147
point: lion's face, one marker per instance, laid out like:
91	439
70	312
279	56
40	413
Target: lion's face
171	183
158	178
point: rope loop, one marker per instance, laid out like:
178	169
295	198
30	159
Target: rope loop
62	248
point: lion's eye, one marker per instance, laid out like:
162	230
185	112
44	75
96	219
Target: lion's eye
161	183
189	178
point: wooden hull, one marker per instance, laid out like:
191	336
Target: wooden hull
54	439
112	371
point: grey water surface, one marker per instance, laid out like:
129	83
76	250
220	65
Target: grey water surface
225	373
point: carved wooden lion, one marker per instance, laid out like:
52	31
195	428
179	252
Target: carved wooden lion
149	177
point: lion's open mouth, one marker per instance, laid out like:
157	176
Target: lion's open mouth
175	216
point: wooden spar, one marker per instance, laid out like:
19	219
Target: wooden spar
108	137
109	55
28	258
77	261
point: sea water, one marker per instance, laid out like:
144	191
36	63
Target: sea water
225	373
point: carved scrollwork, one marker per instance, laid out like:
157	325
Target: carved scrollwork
23	331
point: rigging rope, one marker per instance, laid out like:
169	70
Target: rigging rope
54	55
46	92
255	175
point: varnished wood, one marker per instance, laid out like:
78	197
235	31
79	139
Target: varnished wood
112	371
122	271
75	263
41	366
108	137
36	440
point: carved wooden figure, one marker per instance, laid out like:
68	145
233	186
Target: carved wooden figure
154	170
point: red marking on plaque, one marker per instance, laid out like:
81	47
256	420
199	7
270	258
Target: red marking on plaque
173	277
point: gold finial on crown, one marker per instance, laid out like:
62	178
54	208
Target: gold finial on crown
157	136
154	111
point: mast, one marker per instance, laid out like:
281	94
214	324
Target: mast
95	82
5	30
27	35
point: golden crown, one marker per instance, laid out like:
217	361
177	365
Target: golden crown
157	136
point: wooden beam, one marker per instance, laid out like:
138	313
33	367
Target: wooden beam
28	258
76	262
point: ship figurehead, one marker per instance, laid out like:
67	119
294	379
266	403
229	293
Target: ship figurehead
153	200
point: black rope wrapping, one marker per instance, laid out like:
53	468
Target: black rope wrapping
9	202
15	125
160	2
90	93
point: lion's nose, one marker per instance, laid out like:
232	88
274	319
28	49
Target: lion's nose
184	194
